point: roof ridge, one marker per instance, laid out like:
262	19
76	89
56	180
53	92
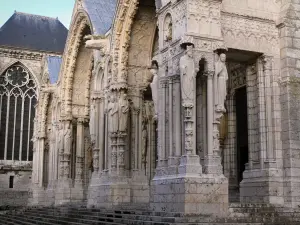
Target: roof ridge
30	14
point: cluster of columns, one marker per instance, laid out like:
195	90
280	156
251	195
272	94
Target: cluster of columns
177	120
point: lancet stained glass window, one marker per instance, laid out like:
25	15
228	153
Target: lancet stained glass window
17	100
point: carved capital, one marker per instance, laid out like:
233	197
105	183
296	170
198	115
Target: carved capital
164	83
81	121
267	62
209	74
136	110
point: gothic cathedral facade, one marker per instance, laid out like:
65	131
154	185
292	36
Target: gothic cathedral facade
173	105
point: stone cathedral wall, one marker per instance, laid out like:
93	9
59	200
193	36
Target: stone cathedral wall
19	172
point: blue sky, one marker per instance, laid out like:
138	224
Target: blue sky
53	8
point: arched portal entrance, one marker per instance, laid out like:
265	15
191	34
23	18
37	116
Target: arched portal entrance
126	155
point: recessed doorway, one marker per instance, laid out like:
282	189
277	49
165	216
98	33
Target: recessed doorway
241	130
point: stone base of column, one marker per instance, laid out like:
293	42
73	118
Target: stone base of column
78	193
63	192
140	190
190	166
173	164
191	195
162	168
262	186
213	165
40	197
111	191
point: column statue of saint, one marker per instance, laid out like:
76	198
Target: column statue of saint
68	138
220	83
124	112
188	72
154	86
113	109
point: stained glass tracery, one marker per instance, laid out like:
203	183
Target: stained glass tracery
17	100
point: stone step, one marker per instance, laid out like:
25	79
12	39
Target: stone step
136	219
24	218
233	216
219	223
108	217
88	220
12	220
4	220
66	221
122	211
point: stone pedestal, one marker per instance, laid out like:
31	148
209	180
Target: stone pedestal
63	192
109	192
189	166
191	195
38	196
262	186
213	164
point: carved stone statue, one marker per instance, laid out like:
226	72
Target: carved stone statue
61	139
144	142
68	138
169	35
155	86
188	72
124	112
220	82
113	109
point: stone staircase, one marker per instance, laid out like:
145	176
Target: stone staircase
240	214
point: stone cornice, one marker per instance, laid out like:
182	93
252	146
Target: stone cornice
21	54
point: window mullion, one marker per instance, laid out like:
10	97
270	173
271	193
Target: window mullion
29	120
21	129
6	128
14	133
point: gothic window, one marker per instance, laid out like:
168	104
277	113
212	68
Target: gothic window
17	101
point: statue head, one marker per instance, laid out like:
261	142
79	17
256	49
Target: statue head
154	68
223	58
189	50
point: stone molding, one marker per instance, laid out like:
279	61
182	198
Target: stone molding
21	54
124	20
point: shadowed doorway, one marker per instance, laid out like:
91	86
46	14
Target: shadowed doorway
241	130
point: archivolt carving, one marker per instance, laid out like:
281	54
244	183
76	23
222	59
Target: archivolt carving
68	67
122	28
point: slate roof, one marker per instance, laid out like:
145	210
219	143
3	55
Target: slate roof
33	32
54	63
101	13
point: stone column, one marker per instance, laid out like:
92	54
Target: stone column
124	111
68	139
135	117
102	132
212	159
121	154
114	153
190	162
267	68
79	152
171	131
178	120
162	160
41	155
56	157
96	134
